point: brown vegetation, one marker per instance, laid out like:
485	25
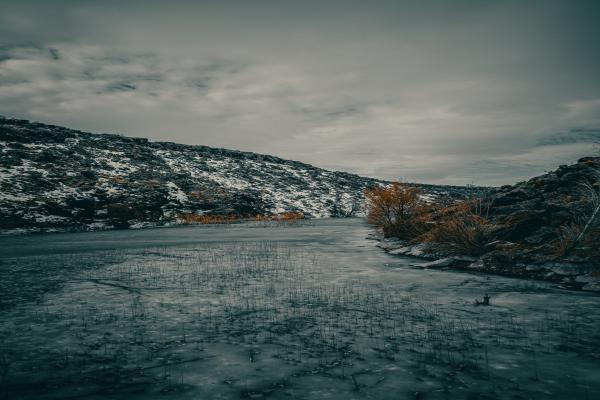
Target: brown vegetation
566	239
583	230
190	218
282	217
462	227
398	210
471	227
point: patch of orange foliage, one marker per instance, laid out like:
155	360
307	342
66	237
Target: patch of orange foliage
462	227
290	217
397	209
190	218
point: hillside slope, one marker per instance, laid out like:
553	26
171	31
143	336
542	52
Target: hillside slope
547	227
53	177
57	178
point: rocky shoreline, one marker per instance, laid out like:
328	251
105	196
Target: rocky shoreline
566	274
546	228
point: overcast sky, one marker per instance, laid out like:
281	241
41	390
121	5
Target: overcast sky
484	92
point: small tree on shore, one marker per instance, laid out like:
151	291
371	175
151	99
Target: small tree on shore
397	209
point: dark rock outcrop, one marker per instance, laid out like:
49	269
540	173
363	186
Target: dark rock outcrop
533	213
534	227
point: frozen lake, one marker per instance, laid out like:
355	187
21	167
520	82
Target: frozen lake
310	310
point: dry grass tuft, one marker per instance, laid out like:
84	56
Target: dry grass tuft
462	227
566	239
190	218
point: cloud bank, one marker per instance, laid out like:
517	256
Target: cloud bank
480	92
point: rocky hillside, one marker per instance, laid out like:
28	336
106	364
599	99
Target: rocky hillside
541	212
547	227
54	178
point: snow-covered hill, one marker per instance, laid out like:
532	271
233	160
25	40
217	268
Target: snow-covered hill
57	178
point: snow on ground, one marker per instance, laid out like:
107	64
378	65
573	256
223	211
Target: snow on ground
62	192
285	187
48	218
18	198
175	193
48	165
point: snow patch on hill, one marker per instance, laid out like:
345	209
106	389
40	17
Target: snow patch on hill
56	178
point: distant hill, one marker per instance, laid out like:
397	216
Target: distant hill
54	178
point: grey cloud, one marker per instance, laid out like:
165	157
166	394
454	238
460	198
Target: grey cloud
421	91
120	86
571	136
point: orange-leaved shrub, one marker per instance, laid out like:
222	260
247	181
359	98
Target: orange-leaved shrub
398	210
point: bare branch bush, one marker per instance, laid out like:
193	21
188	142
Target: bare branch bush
586	218
566	238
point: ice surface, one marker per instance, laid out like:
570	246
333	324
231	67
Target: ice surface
309	311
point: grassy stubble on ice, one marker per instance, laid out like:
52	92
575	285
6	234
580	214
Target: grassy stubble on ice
290	319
